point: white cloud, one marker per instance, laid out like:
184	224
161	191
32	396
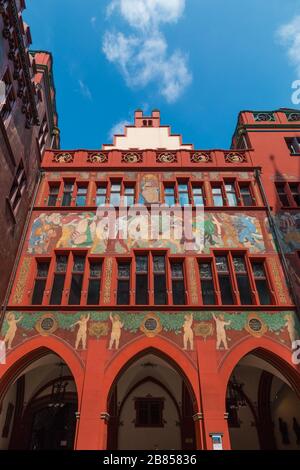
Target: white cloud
118	128
289	36
148	13
93	21
84	90
143	55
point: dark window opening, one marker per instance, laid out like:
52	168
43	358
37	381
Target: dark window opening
53	195
207	284
123	291
160	282
243	281
59	279
77	280
68	192
93	297
149	412
178	284
40	282
261	282
142	282
246	195
224	280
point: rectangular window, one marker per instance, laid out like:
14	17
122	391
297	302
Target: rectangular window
40	282
261	282
160	281
93	297
183	194
123	292
142	281
295	193
68	193
149	412
294	145
170	195
230	194
218	197
53	195
77	280
17	188
9	96
178	284
282	194
198	195
246	195
81	195
129	194
115	194
101	195
207	284
59	279
224	280
243	281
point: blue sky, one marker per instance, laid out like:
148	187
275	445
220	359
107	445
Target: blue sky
199	61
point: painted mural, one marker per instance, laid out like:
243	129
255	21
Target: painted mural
149	189
289	230
79	230
182	328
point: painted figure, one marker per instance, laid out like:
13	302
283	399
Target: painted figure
221	332
12	329
290	324
247	232
188	334
150	193
82	331
116	331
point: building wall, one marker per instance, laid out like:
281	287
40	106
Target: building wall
24	133
204	342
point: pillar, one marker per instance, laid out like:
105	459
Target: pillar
212	394
92	418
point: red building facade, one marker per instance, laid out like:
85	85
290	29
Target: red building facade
28	124
134	344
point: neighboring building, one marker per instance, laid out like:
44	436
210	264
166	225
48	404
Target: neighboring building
28	124
155	344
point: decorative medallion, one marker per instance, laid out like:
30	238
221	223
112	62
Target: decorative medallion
97	158
204	330
98	329
151	325
132	158
264	117
47	325
63	158
234	157
201	157
166	158
255	326
293	116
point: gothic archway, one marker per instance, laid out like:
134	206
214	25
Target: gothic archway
38	402
151	406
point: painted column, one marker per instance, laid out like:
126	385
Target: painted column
212	397
92	427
